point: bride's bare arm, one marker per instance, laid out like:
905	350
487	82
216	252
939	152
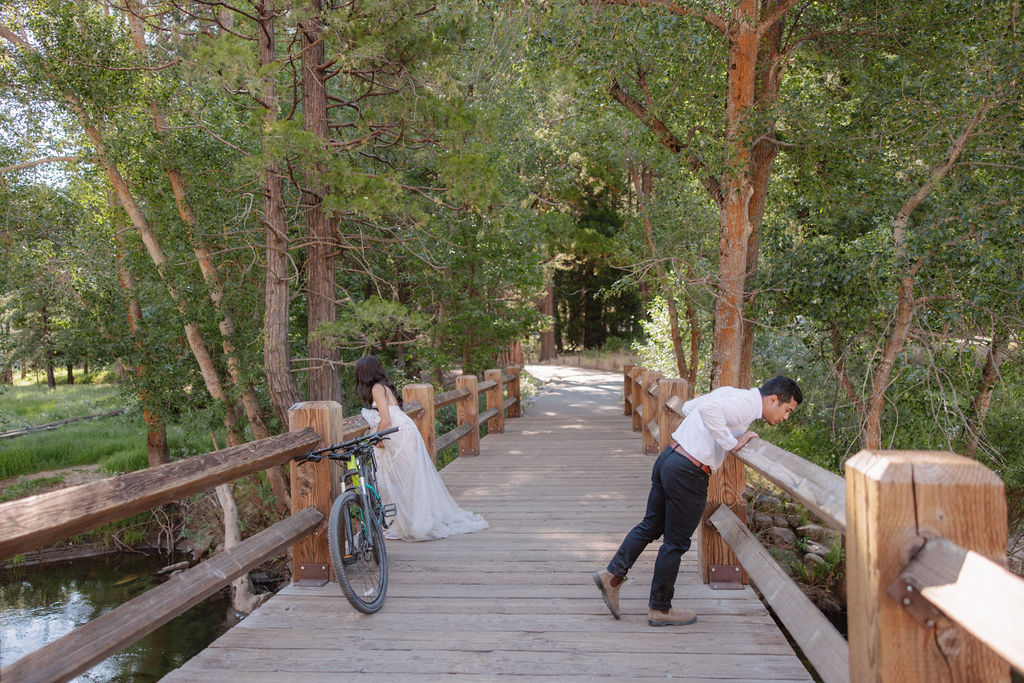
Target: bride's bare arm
380	399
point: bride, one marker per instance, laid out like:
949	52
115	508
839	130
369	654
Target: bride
406	475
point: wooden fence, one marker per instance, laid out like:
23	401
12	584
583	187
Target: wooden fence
36	521
929	597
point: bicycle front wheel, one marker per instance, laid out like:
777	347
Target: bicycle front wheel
357	552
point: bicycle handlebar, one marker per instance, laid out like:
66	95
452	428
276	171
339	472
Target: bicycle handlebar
374	438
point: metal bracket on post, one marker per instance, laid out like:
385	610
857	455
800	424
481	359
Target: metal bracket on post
914	604
725	577
312	575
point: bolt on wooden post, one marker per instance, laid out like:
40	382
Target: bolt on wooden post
424	395
315	483
895	501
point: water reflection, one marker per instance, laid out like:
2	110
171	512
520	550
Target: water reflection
38	605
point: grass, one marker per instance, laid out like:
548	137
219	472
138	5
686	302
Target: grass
33	404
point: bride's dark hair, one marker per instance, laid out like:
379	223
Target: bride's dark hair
368	371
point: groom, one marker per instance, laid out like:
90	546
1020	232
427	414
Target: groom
714	424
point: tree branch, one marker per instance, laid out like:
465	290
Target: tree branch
37	162
669	139
708	17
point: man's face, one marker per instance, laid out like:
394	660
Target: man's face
775	411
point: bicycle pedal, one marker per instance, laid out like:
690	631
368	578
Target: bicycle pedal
390	510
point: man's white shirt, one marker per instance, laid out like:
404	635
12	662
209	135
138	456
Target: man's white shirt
713	421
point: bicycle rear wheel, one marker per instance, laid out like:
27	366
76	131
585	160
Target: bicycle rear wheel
357	552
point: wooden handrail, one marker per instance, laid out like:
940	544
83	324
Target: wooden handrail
983	597
447	439
115	630
485	385
486	415
821	491
821	643
449	397
35	521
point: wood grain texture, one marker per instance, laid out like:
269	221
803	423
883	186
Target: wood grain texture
824	646
895	502
35	521
315	483
821	491
560	489
649	383
980	595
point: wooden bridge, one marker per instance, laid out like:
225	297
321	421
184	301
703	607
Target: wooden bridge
560	488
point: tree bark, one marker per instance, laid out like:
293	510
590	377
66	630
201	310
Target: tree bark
157	450
243	599
281	384
547	335
320	286
997	350
214	282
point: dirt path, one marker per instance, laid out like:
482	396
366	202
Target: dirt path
72	476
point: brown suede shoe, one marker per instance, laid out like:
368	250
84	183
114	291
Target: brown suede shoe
673	617
610	593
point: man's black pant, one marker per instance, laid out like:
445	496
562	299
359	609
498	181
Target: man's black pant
679	490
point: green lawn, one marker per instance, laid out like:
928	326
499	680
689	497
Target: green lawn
117	444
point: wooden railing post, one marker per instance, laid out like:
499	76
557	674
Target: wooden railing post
895	501
467	409
495	425
635	396
725	487
424	395
651	410
316	484
516	409
627	389
668	420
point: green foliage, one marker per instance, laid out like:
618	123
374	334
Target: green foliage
29	487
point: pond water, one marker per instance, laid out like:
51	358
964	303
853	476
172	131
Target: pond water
40	604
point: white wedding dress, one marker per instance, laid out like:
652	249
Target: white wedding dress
408	478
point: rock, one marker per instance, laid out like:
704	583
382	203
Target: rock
794	520
816	548
811	531
818	533
792	508
783	536
813	559
762	521
766	502
781	520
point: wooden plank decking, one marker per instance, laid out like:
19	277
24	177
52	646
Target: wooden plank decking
560	488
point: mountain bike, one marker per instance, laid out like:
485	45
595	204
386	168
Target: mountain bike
357	522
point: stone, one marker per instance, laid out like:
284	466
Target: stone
766	502
813	559
783	536
818	533
762	521
794	520
816	548
781	520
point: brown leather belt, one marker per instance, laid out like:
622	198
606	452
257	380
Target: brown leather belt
679	449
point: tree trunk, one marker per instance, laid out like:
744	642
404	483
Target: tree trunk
994	355
242	597
547	335
157	451
281	384
734	220
213	280
320	286
71	373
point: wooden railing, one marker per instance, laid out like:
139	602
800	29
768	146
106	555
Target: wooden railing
928	594
36	521
316	483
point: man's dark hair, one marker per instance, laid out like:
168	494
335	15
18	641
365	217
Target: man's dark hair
784	388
